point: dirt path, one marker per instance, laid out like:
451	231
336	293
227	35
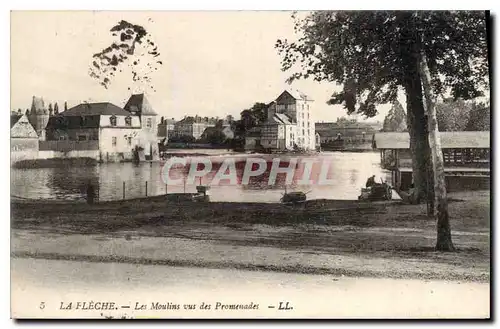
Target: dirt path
371	240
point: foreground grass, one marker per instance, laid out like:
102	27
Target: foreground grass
371	239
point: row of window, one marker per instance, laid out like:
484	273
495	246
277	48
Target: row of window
114	141
128	121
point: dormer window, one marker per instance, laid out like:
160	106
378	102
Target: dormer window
134	109
128	121
112	121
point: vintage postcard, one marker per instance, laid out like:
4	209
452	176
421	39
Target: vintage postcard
250	164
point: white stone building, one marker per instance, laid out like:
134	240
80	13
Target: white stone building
290	124
111	132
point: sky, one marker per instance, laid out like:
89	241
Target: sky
214	63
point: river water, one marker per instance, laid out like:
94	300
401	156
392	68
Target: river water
346	174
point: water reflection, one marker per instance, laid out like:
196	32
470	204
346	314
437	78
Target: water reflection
347	174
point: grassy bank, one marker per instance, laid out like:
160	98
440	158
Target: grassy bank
55	162
323	236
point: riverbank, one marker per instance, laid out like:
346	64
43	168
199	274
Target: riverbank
325	236
54	162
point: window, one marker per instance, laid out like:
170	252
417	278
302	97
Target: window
149	123
113	141
128	121
303	132
82	137
112	121
129	141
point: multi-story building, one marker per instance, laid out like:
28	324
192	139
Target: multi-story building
165	129
193	126
297	106
290	123
117	134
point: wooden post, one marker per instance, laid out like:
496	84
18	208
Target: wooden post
166	189
123	190
146	188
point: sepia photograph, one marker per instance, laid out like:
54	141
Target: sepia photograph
248	164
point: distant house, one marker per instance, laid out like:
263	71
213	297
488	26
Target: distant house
346	134
23	136
252	139
193	126
222	133
465	154
349	131
165	128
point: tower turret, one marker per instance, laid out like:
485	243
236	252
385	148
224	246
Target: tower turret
39	116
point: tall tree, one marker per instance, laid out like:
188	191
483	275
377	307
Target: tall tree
65	106
395	120
259	111
56	109
375	54
444	242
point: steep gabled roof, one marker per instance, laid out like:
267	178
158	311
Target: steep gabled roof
86	109
22	128
283	118
297	94
139	103
280	119
211	130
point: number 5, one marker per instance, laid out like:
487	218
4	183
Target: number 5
42	305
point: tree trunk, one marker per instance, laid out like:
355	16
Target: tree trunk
444	242
417	123
419	143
